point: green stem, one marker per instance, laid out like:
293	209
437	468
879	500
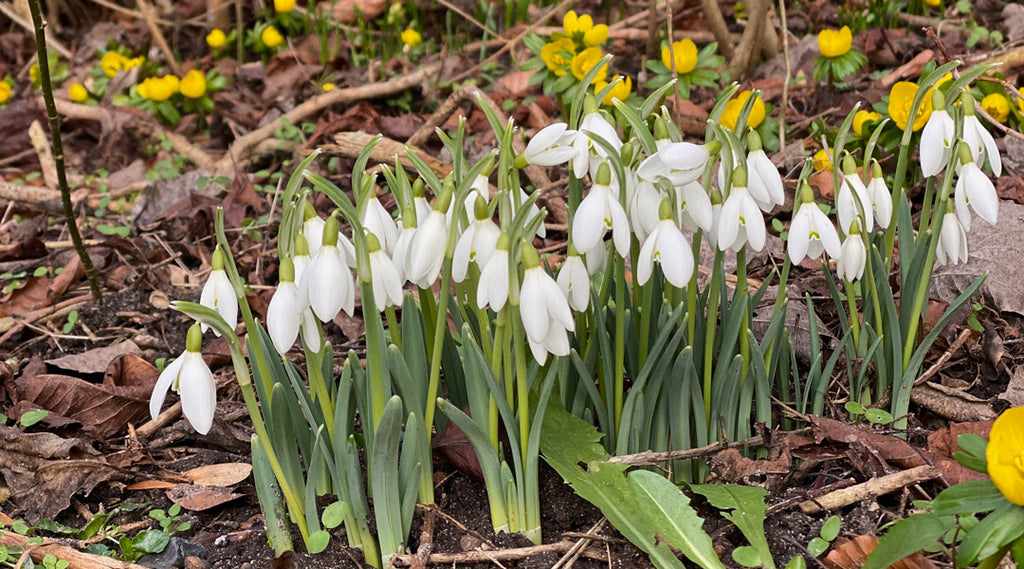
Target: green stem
58	151
646	307
709	330
741	289
620	339
393	327
522	382
851	300
691	291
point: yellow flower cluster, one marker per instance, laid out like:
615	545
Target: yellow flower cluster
731	113
834	43
112	62
159	89
216	39
682	58
1005	454
577	50
411	37
821	161
5	92
271	37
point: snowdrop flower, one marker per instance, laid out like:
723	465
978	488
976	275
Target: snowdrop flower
937	138
387	285
300	259
308	328
327	280
880	196
694	207
549	147
763	177
545	312
377	220
811	231
492	289
589	154
978	138
596	258
852	200
427	250
574	280
643	207
476	245
974	189
599	212
952	240
191	379
218	293
400	256
542	231
852	255
678	162
669	248
312	228
285	309
741	220
420	203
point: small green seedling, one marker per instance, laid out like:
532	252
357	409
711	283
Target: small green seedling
829	531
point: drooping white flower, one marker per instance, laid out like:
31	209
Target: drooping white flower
599	212
476	245
327	280
678	162
535	212
852	199
937	138
763	178
741	220
574	280
191	378
312	229
400	256
426	254
589	152
979	139
643	208
880	196
551	146
952	245
852	256
308	328
377	220
285	309
492	289
544	310
218	293
596	258
975	189
694	207
811	231
387	286
667	246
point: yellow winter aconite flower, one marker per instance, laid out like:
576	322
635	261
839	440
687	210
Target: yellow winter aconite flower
327	86
997	106
731	113
862	117
620	91
5	92
33	74
822	161
193	84
553	57
933	3
112	62
77	93
411	37
901	98
159	89
271	37
583	61
1005	454
216	39
281	6
582	28
834	43
684	52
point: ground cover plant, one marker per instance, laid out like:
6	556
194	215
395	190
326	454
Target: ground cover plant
417	284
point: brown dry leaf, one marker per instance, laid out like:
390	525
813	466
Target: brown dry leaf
227	474
73	271
1014	393
731	466
32	295
345	10
516	83
96	360
199	498
153	484
870	452
455	446
822	181
943	443
852	554
103	410
44	470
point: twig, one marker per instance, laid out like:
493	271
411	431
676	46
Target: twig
716	21
37	136
6	10
747	52
870	489
483	556
444	111
653	458
58	151
76	559
943	358
150	18
784	104
580	546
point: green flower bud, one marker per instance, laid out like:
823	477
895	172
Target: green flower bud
480	209
754	141
660	129
739	177
849	165
665	209
217	262
330	238
938	100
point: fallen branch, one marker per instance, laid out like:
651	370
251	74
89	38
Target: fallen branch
76	559
870	489
484	556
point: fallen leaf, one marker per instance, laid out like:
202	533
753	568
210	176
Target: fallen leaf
872	453
1014	393
345	10
852	554
227	474
94	361
198	498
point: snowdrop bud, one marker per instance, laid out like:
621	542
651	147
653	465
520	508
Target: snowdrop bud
480	209
849	165
444	200
589	104
627	151
754	141
218	293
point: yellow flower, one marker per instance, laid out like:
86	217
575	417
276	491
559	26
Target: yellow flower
833	43
1005	454
1020	104
281	6
271	37
620	91
33	74
933	3
216	39
327	86
822	161
157	89
901	97
862	117
112	62
77	93
193	84
583	61
731	113
685	53
997	106
411	37
172	81
5	92
552	55
582	28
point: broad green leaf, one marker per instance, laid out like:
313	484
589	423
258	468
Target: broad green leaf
334	514
1000	528
669	511
817	546
747	512
318	541
830	530
968	497
907	536
151	541
746	556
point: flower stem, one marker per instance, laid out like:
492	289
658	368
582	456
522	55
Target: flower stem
710	326
620	340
